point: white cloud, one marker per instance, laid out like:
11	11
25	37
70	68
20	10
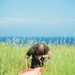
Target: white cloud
22	20
27	18
25	21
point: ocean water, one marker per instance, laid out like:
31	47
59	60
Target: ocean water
34	40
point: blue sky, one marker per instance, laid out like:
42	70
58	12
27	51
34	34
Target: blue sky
37	18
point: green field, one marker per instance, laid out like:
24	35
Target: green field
61	63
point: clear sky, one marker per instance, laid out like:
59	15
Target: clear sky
37	18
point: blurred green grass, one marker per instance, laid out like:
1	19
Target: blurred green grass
12	60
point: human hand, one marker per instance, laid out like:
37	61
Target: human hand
40	57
